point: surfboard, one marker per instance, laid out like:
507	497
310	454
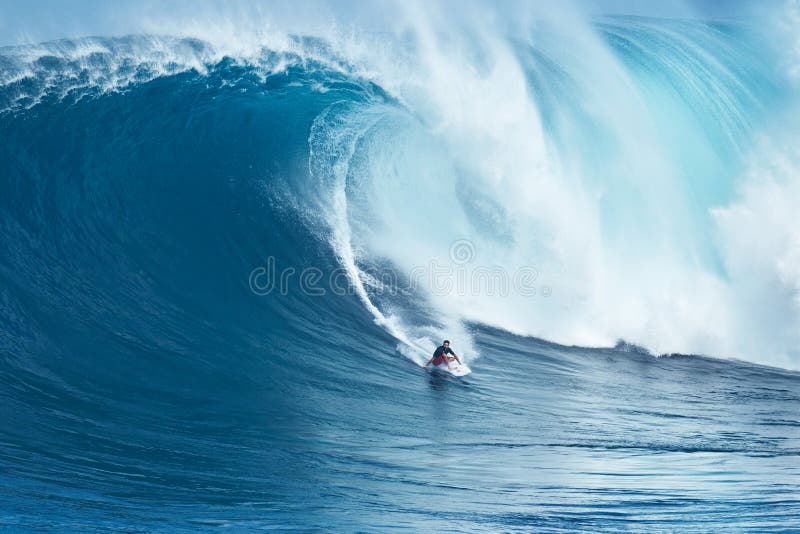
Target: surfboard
455	369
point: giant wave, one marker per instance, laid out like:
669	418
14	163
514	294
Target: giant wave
628	172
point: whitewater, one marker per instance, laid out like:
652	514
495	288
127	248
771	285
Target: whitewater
231	236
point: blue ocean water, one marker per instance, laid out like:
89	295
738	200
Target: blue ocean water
148	384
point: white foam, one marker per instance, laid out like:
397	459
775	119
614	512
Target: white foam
760	240
646	277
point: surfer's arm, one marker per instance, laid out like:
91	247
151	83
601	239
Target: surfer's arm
455	356
430	361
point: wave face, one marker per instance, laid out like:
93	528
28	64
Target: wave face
216	281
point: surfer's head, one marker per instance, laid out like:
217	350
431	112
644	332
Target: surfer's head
446	343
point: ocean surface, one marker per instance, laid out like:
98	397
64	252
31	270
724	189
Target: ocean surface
222	269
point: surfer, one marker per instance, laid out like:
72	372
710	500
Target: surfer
442	355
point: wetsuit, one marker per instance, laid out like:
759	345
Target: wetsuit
438	355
